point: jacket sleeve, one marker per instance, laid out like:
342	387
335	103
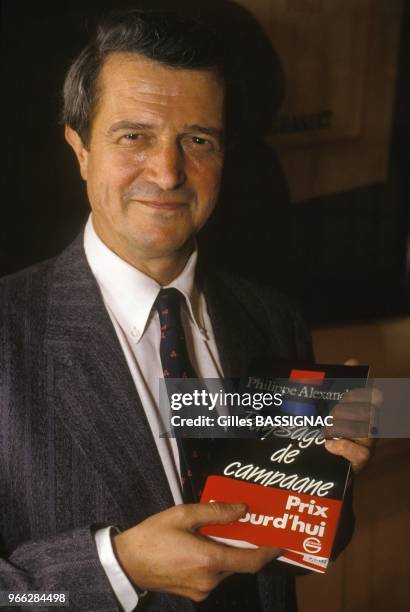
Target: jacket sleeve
302	337
67	562
346	525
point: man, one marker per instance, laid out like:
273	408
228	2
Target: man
92	499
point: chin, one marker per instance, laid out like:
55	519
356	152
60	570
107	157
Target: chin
164	245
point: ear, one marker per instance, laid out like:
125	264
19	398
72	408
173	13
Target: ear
75	141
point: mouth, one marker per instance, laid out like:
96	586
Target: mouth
164	206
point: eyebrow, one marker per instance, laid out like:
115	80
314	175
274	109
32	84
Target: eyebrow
210	131
130	125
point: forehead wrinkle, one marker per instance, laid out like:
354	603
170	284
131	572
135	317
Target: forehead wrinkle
160	81
146	107
136	94
147	112
153	95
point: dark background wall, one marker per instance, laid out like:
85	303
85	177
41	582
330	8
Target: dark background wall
347	251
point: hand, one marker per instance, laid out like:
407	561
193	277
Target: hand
166	553
354	415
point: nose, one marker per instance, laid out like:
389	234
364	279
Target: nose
165	166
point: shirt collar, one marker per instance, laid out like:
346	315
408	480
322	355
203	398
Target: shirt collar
129	293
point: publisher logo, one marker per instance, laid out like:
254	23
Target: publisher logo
312	545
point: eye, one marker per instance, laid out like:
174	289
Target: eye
131	137
200	145
200	141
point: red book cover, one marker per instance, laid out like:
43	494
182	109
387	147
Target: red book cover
292	486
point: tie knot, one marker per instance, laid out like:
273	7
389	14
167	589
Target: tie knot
168	303
168	297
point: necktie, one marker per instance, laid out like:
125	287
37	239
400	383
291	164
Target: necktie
173	352
176	364
238	593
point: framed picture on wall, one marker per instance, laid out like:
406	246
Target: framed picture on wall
333	129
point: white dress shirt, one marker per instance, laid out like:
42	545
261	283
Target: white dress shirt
129	296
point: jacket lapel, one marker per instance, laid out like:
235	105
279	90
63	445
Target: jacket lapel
239	340
94	394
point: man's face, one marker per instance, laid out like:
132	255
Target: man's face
155	156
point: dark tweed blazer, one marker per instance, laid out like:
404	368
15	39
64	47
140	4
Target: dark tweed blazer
76	451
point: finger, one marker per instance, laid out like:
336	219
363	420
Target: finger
190	592
352	411
367	442
342	428
351	362
353	415
218	577
248	561
357	454
370	395
196	595
193	516
224	575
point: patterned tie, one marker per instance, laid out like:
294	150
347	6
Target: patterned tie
174	356
176	364
239	593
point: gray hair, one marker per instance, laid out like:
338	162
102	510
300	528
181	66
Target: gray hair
168	38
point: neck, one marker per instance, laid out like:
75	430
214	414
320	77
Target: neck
163	269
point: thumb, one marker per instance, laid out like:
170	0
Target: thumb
214	513
351	362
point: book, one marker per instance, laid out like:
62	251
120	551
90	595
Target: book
293	487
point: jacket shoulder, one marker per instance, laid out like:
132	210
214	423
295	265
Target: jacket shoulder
25	291
271	311
258	297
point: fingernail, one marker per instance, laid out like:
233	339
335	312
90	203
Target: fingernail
329	444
